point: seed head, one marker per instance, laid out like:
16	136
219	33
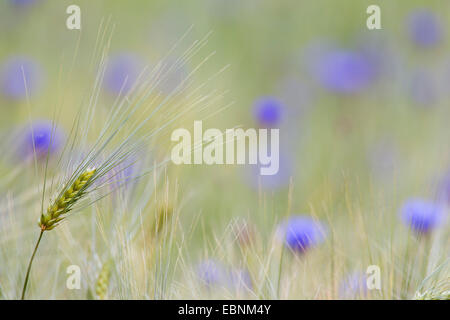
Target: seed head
64	203
101	287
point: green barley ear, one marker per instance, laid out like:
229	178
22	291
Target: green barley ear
101	287
64	203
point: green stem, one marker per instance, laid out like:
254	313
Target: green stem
29	265
280	267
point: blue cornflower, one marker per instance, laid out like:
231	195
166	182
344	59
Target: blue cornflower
343	71
122	72
424	28
19	76
211	272
353	285
40	138
268	111
422	216
301	233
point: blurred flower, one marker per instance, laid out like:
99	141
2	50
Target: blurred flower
211	272
240	280
268	111
16	72
343	71
383	54
353	285
121	72
301	233
424	28
22	2
122	174
423	89
41	138
422	216
122	178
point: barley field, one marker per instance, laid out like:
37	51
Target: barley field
93	205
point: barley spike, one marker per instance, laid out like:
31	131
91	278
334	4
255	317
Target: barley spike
64	203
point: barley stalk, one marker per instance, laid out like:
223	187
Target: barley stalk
63	204
101	287
57	210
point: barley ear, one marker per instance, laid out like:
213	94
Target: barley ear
101	287
64	203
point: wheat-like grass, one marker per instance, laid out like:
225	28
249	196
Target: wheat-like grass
101	287
58	209
63	204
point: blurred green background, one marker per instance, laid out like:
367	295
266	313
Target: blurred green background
369	149
265	43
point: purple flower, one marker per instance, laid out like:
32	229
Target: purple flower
353	285
121	73
240	280
343	71
424	28
19	76
268	111
40	138
300	233
422	216
22	3
211	272
123	174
